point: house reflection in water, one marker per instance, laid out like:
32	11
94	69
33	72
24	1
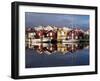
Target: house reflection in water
63	48
56	46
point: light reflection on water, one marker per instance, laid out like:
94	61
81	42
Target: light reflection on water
58	54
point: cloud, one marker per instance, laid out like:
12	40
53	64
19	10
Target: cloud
35	19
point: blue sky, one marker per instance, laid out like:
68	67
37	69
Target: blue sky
60	20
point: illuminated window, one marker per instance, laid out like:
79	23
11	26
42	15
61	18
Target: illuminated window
50	33
76	37
62	33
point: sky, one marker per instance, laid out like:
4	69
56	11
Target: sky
33	19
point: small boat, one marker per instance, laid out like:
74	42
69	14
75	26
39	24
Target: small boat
69	41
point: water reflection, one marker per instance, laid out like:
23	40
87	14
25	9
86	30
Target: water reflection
59	54
50	48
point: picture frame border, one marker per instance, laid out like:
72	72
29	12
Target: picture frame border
15	39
